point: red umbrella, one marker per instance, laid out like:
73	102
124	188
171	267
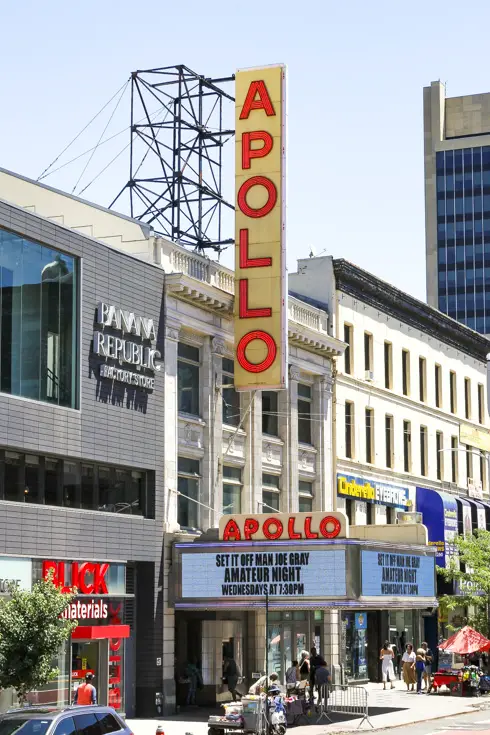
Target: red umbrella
466	640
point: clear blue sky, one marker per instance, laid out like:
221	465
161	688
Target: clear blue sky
355	76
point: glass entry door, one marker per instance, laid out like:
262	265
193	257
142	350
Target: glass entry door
285	643
91	656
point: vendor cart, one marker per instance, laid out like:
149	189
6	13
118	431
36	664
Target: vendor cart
246	716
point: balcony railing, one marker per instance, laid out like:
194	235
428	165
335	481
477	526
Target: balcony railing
176	259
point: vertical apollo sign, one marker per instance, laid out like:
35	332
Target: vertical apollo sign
260	251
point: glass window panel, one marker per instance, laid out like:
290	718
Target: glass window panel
27	725
106	489
187	509
270	404
304	390
65	727
188	379
13	476
230	397
71	484
441	207
108	723
232	499
270	501
232	473
39	315
32	479
52	480
271	480
305	504
88	487
87	725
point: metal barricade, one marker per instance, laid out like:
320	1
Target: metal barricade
343	699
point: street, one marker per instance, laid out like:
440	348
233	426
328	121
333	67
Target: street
475	722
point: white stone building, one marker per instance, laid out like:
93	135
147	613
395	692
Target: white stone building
410	407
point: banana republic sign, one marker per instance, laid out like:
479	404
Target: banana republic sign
124	349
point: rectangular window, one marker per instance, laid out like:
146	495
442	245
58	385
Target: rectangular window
388	365
454	459
467	398
270	408
349	429
423	450
368	352
231	397
270	493
438	385
389	439
370	514
469	463
305	496
369	418
348	332
67	483
232	490
407	446
188	361
439	455
188	485
483	471
39	316
481	403
422	379
406	372
304	413
453	398
350	511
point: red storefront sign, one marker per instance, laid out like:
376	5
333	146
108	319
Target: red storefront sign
282	526
116	649
87	577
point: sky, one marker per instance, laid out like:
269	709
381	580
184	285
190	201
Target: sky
356	71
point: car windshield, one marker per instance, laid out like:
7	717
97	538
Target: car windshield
24	725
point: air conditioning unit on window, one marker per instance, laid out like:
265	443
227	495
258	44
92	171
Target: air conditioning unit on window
369	376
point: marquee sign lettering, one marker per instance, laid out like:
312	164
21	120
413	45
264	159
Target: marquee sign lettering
273	527
260	258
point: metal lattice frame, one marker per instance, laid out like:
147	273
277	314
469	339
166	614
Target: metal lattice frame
176	154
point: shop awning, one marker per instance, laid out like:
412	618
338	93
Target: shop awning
98	632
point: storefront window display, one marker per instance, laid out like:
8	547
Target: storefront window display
354	644
289	633
38	321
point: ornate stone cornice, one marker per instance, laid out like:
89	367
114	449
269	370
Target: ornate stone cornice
390	300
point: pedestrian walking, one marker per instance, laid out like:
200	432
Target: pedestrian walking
304	666
420	668
429	657
231	673
408	661
86	694
292	676
315	661
386	657
322	680
194	677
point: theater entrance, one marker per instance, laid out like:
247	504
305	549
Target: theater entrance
288	634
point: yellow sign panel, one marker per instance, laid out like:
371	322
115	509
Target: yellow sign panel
474	437
260	260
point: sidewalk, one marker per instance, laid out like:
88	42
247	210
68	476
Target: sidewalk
387	709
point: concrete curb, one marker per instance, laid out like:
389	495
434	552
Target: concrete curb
474	707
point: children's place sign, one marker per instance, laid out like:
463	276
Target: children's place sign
282	526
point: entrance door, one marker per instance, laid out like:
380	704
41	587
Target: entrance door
286	641
91	656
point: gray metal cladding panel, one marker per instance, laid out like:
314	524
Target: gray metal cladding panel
36	530
114	424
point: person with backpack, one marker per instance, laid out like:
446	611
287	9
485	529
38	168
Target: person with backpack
231	673
86	694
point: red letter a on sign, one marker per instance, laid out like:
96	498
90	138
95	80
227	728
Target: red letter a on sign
231	532
263	103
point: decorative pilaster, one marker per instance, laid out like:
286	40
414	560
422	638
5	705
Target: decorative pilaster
325	485
170	426
288	406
